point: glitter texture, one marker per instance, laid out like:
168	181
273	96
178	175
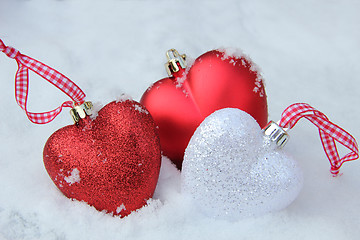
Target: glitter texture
111	162
214	81
230	170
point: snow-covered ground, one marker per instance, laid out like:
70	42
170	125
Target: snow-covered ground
308	52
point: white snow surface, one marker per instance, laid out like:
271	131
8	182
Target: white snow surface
74	177
308	52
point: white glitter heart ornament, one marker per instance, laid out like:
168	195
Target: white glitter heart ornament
231	170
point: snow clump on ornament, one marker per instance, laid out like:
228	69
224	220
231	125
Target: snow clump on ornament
231	170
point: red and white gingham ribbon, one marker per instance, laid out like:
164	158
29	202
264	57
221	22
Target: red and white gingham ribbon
329	133
60	81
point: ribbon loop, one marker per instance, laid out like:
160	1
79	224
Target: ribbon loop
10	52
26	63
328	131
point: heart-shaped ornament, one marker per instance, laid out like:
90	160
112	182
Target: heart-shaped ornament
231	170
111	162
217	79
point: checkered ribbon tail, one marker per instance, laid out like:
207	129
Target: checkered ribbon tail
329	133
60	81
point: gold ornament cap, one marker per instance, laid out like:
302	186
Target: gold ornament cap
276	134
175	62
81	111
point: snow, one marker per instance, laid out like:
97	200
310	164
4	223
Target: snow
96	106
74	177
140	108
307	50
123	97
180	80
237	53
120	208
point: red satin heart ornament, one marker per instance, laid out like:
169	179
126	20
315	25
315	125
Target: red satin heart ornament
111	162
217	79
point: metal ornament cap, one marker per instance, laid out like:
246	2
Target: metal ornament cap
81	111
175	62
276	134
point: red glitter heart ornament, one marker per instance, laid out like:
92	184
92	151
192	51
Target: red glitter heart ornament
217	79
111	162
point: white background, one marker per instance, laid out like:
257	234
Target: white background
308	52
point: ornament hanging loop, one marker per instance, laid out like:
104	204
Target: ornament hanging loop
60	81
81	111
8	50
175	62
329	132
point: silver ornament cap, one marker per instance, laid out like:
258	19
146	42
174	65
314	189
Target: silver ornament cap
276	134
